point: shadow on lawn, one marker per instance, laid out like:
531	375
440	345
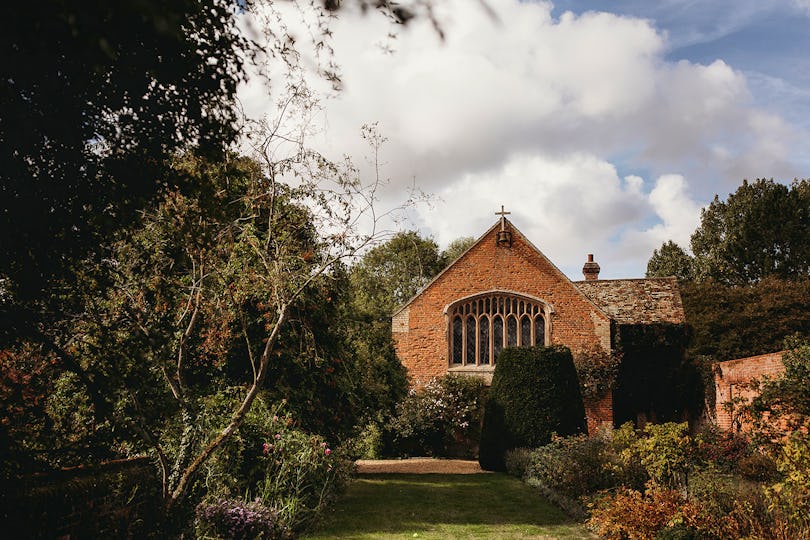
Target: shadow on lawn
399	503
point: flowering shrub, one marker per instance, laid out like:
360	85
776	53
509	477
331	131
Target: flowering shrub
237	520
298	474
443	418
277	466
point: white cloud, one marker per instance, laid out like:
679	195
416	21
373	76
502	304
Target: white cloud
567	206
546	116
803	5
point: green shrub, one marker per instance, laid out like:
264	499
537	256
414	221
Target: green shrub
570	470
628	455
441	419
722	449
534	393
273	463
789	500
677	532
757	466
368	444
575	466
666	451
517	461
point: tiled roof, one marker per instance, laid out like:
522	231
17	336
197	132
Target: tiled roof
636	301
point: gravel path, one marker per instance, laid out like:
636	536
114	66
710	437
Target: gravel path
418	466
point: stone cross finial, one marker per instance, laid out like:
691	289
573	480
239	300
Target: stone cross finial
503	213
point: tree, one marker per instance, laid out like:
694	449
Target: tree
456	249
393	272
734	322
212	289
95	96
671	260
761	230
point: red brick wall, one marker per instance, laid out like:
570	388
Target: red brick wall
730	377
421	330
599	413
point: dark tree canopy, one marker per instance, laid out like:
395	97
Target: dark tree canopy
671	260
734	322
761	230
94	97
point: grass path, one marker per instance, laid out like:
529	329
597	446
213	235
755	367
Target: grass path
439	506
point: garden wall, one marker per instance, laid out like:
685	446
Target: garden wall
731	379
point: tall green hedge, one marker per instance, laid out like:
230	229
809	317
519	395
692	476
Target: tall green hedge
534	393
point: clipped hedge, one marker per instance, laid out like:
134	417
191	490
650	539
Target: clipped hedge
534	393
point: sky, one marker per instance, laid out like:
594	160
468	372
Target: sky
603	127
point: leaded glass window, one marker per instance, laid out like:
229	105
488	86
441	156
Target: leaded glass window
511	332
539	330
481	326
458	340
483	340
497	337
469	357
525	331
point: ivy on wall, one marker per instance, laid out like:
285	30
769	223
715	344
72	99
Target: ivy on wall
655	378
597	371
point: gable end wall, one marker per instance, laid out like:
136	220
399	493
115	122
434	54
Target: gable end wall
575	321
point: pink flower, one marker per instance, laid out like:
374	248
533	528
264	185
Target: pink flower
278	436
265	448
275	418
323	445
327	451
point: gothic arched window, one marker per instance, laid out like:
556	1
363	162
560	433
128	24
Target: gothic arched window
480	327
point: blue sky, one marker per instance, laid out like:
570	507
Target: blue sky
603	127
766	40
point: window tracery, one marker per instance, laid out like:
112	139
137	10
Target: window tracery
480	327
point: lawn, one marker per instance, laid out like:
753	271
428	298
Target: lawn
438	506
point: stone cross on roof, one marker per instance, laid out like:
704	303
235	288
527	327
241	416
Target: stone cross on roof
503	215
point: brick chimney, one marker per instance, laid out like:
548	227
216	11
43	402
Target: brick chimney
590	269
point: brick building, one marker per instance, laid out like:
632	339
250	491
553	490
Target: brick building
732	382
504	292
